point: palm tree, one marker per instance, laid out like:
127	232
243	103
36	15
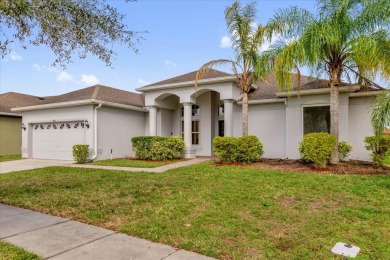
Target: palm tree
247	37
347	39
381	114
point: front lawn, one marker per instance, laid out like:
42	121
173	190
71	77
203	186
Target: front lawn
224	212
11	252
13	157
129	162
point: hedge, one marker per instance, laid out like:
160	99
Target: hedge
380	148
158	147
80	153
344	149
317	148
242	149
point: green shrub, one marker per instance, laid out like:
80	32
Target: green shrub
344	149
380	148
317	148
158	147
80	153
225	148
243	149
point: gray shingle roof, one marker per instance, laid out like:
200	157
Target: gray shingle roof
11	99
98	92
190	77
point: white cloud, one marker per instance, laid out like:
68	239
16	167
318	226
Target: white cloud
15	56
265	46
64	76
89	80
143	81
226	42
38	67
170	63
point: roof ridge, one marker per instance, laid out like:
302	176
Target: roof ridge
95	92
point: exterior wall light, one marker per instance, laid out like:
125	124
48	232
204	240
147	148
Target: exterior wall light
23	127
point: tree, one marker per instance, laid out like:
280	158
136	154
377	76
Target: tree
349	38
66	27
246	41
380	117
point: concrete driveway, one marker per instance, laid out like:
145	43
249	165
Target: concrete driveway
29	164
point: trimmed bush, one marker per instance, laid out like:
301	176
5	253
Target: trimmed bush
80	153
225	148
380	148
344	149
245	149
158	148
317	148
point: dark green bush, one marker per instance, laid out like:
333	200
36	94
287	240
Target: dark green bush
158	147
317	148
80	153
380	148
344	149
242	149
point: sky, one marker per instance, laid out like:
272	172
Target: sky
182	36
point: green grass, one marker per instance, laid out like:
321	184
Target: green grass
13	157
11	252
224	212
126	162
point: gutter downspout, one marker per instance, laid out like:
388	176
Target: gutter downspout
95	132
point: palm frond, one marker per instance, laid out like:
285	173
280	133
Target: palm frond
207	67
381	114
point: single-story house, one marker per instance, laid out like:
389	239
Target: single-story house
11	121
106	118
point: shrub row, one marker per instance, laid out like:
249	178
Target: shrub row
317	148
238	149
380	148
158	147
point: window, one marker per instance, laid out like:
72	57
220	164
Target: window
316	119
194	129
195	110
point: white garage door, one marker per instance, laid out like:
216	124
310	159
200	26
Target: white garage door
55	140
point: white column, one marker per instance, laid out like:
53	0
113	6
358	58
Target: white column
188	152
228	117
187	124
152	120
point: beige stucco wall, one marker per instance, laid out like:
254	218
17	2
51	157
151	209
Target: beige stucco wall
10	135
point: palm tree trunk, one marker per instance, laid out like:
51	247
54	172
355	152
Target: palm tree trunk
244	114
334	116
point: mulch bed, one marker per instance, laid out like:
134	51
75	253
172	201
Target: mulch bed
350	167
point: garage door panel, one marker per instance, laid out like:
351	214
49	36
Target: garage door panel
56	143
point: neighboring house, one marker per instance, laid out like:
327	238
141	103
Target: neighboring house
171	107
11	122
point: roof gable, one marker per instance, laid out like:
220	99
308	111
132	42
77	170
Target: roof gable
189	77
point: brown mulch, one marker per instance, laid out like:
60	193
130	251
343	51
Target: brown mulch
350	167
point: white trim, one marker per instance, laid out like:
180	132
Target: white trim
317	91
57	121
264	101
367	93
10	114
80	102
187	83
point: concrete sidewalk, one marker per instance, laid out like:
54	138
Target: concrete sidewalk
29	164
132	169
59	238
